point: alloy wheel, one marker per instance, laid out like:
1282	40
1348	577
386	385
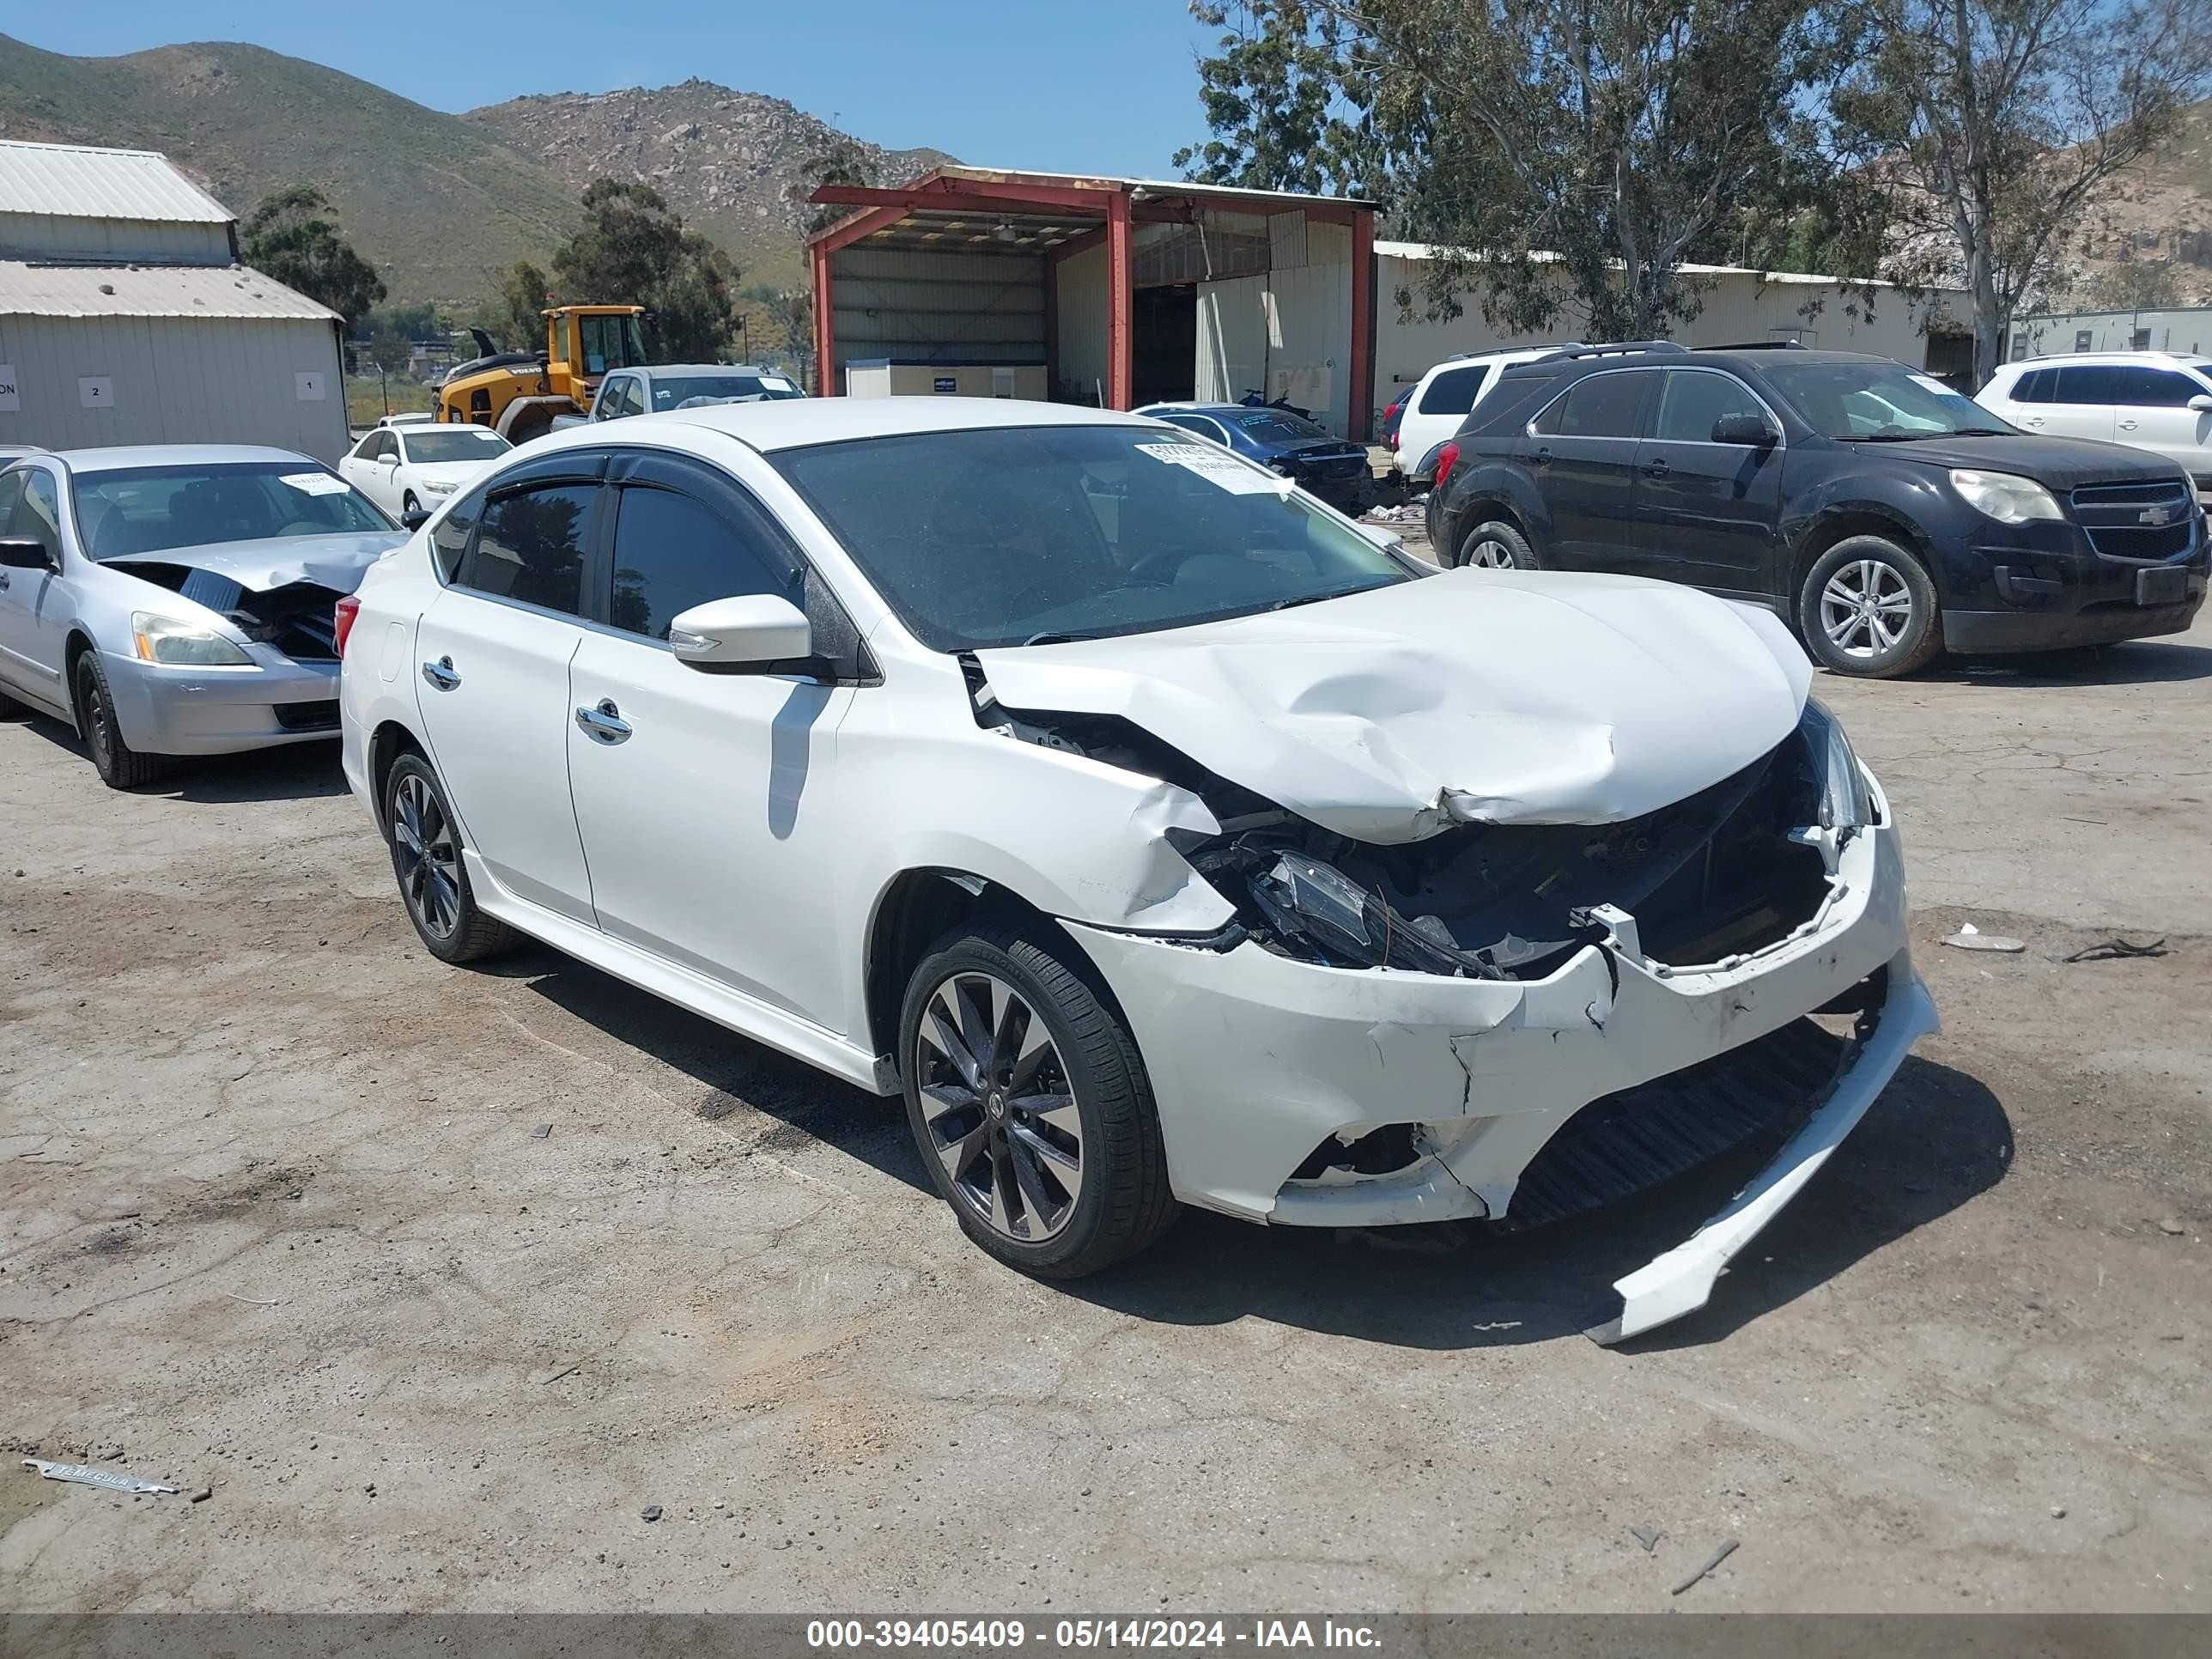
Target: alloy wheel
1000	1107
426	856
1866	608
1490	555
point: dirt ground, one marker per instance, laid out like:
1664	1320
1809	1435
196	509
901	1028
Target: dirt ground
283	1223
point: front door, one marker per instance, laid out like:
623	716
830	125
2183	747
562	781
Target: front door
1709	511
494	652
1585	452
704	799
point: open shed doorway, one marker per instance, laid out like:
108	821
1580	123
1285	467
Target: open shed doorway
1165	323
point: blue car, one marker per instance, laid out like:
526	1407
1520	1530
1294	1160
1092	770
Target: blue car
1293	445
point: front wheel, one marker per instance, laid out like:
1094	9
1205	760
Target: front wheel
119	765
409	504
1868	608
1496	545
1030	1104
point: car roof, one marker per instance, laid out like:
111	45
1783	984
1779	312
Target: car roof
2101	359
123	457
1189	407
795	422
697	368
1509	355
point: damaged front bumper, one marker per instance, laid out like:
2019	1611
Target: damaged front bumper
1259	1062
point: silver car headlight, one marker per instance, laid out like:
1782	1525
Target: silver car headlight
2004	497
166	640
1846	804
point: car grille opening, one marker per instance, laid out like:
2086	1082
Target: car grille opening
321	716
2148	520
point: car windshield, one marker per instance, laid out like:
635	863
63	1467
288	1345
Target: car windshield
1879	401
147	510
675	391
456	443
1275	426
1020	535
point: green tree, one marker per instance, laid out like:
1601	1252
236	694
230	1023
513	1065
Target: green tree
518	319
633	250
1566	157
1994	125
293	236
834	159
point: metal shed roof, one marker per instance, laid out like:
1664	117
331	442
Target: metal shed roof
29	288
78	181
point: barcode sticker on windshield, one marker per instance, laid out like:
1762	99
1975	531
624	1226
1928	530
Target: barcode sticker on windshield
1218	467
315	483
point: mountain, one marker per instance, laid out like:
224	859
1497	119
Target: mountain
2157	213
727	161
439	202
435	203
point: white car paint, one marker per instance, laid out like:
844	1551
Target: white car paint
742	846
2158	401
1444	396
395	465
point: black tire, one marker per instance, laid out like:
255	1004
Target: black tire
416	815
409	504
1121	1203
1897	630
1495	545
119	765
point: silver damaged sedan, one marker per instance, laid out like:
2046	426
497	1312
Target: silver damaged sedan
180	599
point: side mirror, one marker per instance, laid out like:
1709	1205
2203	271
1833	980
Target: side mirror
1752	430
415	517
749	632
2202	404
26	553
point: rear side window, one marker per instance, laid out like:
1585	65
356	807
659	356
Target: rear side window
1453	392
2038	386
531	545
1602	406
671	553
1695	399
2154	388
2085	383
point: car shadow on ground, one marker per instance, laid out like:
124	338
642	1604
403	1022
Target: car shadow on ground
1935	1138
2139	662
733	1072
304	771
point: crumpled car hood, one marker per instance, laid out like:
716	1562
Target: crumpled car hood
1477	697
336	562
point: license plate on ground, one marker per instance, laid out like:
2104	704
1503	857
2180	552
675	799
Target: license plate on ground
2161	587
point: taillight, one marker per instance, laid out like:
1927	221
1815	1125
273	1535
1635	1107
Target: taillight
1447	458
347	609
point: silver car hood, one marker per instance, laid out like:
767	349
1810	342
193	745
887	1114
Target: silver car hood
1469	697
338	561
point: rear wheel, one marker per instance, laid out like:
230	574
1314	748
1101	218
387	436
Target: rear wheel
1869	608
532	422
426	858
1030	1104
119	765
1496	545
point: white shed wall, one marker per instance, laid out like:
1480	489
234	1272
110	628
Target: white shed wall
965	306
56	236
1739	305
1080	284
2184	329
174	380
1287	331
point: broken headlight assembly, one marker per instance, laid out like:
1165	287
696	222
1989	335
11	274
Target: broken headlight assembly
1846	804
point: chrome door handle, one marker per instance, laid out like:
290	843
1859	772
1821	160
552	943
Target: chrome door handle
3	578
604	723
440	674
2127	426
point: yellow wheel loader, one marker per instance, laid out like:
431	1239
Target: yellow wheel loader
518	393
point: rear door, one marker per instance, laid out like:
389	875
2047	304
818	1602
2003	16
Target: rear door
2150	410
493	650
35	609
1584	459
705	799
2082	403
1708	511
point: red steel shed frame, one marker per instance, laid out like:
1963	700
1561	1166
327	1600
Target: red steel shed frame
1069	213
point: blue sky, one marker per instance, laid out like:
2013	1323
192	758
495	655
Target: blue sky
1105	86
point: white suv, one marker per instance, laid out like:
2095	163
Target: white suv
1155	834
2153	400
1438	405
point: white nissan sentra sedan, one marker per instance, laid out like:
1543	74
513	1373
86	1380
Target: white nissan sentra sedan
1158	835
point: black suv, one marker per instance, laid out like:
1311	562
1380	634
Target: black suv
1884	516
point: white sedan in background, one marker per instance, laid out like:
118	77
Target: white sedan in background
1157	836
413	469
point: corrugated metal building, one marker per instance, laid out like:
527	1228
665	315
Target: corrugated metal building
1121	291
125	317
2183	329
